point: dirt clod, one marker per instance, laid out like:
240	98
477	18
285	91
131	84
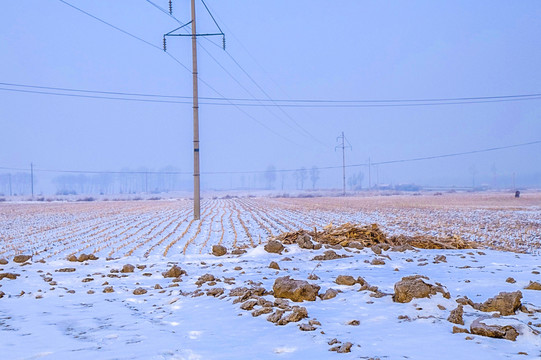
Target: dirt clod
495	331
296	290
274	246
19	259
128	268
329	294
219	250
345	280
10	276
139	291
174	272
506	303
533	285
413	287
456	316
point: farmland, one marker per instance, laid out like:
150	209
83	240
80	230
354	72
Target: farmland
154	290
147	228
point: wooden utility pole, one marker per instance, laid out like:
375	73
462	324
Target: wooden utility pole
196	173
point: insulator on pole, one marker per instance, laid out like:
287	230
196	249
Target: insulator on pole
164	44
223	42
171	7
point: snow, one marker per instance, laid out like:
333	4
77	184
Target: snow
43	320
170	325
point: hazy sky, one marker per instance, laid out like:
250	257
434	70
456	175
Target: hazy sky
340	50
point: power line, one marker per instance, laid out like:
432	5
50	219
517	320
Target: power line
303	130
281	170
220	65
457	154
231	101
239	101
181	64
109	24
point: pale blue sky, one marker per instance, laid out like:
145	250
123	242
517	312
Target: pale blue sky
349	49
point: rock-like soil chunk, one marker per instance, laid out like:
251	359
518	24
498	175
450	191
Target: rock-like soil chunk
459	330
296	290
274	265
298	313
329	294
174	272
3	261
413	287
305	242
215	292
345	280
219	250
478	327
10	276
139	291
274	246
128	268
506	303
205	278
307	327
276	316
456	316
329	255
19	259
533	285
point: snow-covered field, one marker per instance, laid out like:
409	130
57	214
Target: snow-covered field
58	309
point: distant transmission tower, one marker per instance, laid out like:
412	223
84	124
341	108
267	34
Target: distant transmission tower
194	35
342	145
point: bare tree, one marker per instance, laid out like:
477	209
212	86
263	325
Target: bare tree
314	176
302	176
270	176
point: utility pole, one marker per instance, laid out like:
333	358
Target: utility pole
32	178
196	173
369	174
194	35
514	184
146	182
10	189
343	146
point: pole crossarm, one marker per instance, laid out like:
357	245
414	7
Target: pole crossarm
180	27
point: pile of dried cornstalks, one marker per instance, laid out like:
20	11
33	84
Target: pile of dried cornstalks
355	235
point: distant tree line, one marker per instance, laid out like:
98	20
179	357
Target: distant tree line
124	182
15	184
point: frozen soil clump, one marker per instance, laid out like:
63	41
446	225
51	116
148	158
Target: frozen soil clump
413	287
295	290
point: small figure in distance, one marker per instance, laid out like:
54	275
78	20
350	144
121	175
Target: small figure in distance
517	194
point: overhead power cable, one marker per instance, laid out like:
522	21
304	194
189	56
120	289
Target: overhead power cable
181	64
216	60
283	170
240	101
292	120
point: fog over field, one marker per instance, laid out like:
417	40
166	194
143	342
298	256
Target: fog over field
407	80
370	179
